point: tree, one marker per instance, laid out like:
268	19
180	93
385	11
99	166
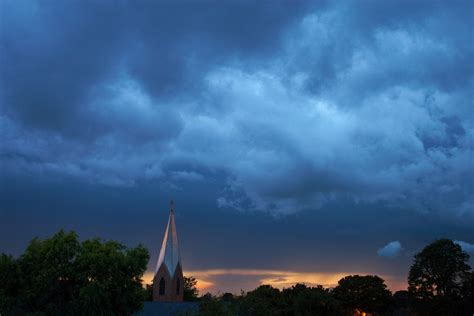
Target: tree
62	276
49	277
149	292
437	277
9	276
190	290
264	300
303	300
439	270
211	305
365	293
468	291
110	276
401	301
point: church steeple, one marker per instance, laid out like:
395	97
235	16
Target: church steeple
168	280
169	253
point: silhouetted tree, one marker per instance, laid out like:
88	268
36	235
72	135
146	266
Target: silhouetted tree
303	300
9	287
366	293
468	292
211	305
264	300
149	292
437	277
228	297
190	289
401	302
61	276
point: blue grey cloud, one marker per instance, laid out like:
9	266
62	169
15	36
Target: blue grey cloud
390	250
290	106
467	247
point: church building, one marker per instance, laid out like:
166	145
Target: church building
168	279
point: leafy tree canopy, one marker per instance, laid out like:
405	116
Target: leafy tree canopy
304	300
366	293
439	279
264	300
62	276
440	269
8	282
190	290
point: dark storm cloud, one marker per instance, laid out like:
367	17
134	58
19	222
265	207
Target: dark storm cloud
390	250
58	53
292	106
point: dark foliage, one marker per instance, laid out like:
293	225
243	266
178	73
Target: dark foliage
366	293
9	290
299	300
149	292
438	279
468	291
190	289
62	276
263	300
213	306
303	300
401	300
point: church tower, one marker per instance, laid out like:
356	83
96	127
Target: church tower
168	281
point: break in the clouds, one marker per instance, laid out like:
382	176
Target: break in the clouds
293	105
390	250
467	247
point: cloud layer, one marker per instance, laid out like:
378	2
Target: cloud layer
467	247
297	107
390	250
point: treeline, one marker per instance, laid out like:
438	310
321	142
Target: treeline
305	300
63	276
440	281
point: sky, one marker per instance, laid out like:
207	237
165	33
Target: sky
301	141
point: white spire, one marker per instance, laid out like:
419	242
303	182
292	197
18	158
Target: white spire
169	253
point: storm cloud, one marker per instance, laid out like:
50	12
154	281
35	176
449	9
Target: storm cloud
465	246
295	105
390	250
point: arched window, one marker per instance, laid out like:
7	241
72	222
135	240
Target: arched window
178	285
162	287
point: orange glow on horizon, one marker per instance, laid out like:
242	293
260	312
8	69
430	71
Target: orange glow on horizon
206	279
148	277
276	278
201	284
